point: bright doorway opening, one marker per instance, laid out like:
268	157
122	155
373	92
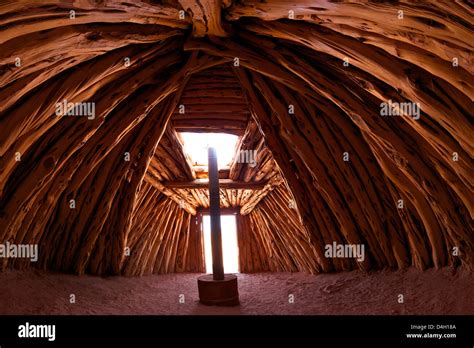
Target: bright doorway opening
230	249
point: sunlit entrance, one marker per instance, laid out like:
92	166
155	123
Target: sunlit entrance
230	249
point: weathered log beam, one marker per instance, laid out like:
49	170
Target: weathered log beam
436	26
172	195
224	211
282	158
314	75
258	196
78	41
223	184
405	77
170	162
206	17
314	79
246	142
56	13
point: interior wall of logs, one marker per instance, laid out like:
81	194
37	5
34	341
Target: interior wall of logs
91	192
163	238
269	244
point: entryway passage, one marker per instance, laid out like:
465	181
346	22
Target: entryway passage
230	249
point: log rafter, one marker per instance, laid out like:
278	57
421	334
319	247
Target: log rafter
301	82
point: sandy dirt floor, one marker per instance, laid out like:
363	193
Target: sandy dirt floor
431	292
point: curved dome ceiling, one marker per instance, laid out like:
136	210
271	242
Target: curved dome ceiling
365	108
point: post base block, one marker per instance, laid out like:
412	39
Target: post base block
218	292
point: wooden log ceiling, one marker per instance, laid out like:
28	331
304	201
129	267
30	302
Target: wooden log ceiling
217	87
302	83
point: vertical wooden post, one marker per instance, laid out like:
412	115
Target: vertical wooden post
219	289
214	203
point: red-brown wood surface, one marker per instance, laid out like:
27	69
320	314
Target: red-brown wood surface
301	82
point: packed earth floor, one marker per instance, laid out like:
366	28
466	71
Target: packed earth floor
444	291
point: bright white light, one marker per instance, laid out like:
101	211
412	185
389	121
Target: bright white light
230	249
196	144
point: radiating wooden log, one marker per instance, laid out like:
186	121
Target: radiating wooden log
172	195
206	16
281	159
434	228
435	26
58	14
258	196
333	62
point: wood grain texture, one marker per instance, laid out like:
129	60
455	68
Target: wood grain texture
302	83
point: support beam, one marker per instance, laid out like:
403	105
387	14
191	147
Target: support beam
214	202
219	289
171	194
224	211
223	184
